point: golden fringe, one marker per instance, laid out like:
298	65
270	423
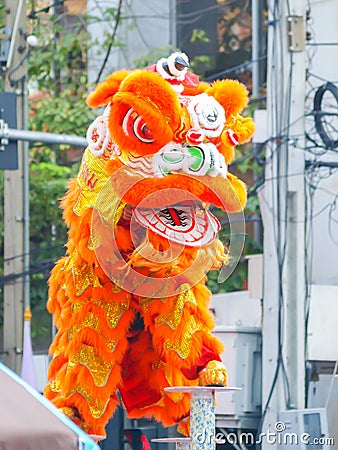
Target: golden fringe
147	254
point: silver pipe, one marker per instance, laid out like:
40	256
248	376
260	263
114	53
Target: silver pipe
256	80
14	33
256	32
25	164
38	136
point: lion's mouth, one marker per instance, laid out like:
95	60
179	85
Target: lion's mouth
187	223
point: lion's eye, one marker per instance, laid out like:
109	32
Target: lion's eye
134	125
206	113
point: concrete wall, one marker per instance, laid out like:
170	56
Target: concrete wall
144	26
323	65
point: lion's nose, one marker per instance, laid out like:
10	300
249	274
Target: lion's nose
187	132
195	136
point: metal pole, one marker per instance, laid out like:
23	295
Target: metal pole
14	227
256	45
25	168
15	31
172	24
283	211
256	14
295	281
38	136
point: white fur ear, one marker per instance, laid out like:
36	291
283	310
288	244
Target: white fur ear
180	74
160	69
98	136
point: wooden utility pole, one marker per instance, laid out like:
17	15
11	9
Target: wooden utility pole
15	181
283	212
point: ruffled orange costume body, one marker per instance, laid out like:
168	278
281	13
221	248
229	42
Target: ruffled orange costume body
130	322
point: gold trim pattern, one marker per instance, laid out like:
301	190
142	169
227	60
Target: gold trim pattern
113	311
91	178
96	407
91	321
173	317
97	366
182	345
83	274
55	386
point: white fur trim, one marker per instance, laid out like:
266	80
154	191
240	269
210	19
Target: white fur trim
161	71
98	136
179	74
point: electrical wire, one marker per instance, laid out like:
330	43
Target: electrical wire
34	13
34	251
194	16
44	267
279	192
235	69
112	40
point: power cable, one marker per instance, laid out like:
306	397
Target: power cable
34	13
322	126
112	40
234	69
280	160
201	11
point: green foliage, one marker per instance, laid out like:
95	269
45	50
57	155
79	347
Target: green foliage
200	63
57	75
237	280
47	185
199	35
153	56
2	15
48	235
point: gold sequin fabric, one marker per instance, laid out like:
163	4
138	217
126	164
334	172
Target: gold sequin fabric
91	179
83	274
55	386
97	407
173	317
113	311
182	344
97	366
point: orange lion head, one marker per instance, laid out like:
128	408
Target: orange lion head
162	140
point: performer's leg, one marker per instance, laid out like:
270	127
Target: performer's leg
177	346
179	326
88	349
144	379
181	330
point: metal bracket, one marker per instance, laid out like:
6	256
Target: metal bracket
296	33
5	36
3	135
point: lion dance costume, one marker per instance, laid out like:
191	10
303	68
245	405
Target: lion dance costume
129	299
